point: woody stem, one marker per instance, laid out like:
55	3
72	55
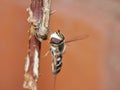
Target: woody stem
37	14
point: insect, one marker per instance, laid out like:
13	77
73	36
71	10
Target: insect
57	49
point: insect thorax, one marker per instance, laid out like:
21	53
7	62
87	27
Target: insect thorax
57	49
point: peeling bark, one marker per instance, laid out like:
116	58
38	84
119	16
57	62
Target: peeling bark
32	62
39	14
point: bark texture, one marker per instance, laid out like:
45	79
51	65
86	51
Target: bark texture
39	13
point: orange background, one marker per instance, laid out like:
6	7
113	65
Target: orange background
89	64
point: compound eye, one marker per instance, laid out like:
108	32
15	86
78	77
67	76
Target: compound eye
55	41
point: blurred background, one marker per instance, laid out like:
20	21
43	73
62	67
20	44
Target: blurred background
89	64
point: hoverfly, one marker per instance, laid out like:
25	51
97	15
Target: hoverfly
57	49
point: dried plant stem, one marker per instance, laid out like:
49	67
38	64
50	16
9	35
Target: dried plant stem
32	62
39	14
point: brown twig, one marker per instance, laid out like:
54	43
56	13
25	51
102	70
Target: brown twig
39	13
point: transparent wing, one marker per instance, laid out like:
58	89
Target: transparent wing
77	38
